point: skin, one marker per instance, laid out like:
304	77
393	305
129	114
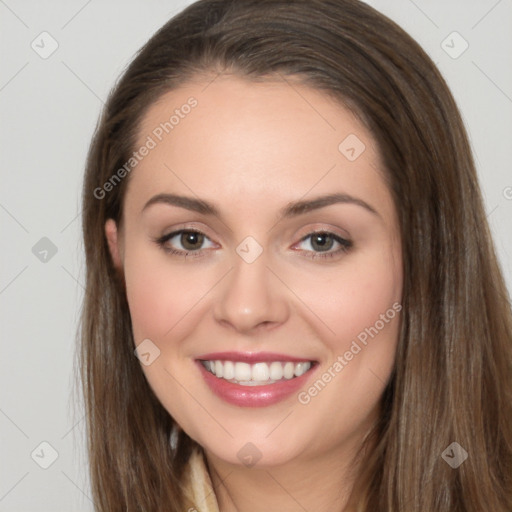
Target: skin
251	149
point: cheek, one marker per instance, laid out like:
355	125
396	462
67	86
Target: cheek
363	308
152	292
163	295
353	298
148	296
162	298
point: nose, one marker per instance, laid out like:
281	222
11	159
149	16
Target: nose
251	298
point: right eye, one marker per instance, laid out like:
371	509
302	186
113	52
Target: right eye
185	242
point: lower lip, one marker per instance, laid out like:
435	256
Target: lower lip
254	396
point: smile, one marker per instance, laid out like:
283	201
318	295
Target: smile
258	374
258	379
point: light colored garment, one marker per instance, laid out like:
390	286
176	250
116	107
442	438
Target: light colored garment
198	486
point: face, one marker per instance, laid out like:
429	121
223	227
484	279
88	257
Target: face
261	254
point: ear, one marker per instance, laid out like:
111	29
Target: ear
112	235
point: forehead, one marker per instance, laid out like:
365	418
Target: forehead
244	141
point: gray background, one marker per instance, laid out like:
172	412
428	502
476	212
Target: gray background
49	109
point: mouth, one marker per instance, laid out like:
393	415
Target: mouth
255	379
257	374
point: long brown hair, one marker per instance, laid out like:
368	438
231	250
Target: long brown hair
452	377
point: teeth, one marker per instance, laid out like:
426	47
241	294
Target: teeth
260	371
300	369
229	370
242	370
288	370
276	371
256	374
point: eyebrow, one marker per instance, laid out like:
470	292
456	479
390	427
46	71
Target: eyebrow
292	209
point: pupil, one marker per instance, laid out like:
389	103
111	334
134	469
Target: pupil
322	241
190	240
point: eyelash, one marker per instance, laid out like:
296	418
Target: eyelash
345	245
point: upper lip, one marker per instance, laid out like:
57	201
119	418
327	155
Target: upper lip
251	357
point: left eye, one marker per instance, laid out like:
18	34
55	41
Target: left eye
323	242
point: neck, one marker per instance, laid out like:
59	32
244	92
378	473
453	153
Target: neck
322	484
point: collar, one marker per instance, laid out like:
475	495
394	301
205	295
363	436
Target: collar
198	488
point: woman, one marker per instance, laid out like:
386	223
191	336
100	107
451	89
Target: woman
293	301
